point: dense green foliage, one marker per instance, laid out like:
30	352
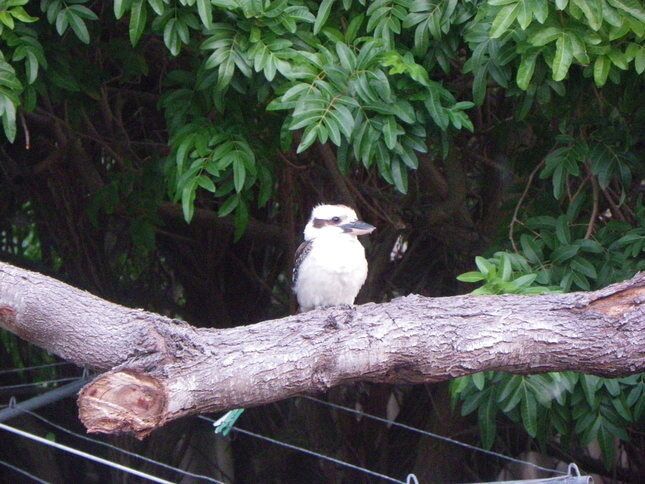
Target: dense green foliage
503	129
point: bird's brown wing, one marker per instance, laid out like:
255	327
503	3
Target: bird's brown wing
301	253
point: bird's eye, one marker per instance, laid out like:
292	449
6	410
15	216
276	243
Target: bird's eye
335	219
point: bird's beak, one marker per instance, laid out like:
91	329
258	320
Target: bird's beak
358	228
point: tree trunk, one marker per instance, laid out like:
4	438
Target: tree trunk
161	369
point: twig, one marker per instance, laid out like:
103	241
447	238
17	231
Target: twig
594	211
291	163
613	207
26	130
330	162
519	204
579	190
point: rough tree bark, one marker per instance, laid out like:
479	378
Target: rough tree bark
159	369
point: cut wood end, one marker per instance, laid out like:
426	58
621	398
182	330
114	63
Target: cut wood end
123	402
8	319
621	302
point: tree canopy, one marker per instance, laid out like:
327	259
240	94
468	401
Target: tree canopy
165	154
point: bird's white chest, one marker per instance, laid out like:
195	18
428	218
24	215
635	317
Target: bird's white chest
332	273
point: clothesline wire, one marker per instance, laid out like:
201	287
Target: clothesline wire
80	453
323	402
36	383
309	452
23	472
432	434
118	449
36	367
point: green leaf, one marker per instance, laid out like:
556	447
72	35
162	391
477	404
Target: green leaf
525	280
205	10
585	267
507	270
228	206
21	14
590	385
308	139
607	446
528	410
525	71
472	276
8	116
138	18
592	10
353	28
399	176
562	231
621	409
323	15
590	246
436	110
632	7
484	266
479	379
563	56
6	19
62	22
120	7
83	12
601	67
564	252
530	249
390	131
612	386
509	387
206	183
545	36
487	424
639	60
504	19
78	26
239	175
241	220
581	281
188	199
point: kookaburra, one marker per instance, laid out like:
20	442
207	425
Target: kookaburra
330	266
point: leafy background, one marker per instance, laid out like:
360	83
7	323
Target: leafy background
494	139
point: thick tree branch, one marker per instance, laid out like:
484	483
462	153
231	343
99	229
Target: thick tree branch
161	369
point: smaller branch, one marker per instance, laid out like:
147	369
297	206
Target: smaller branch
580	188
613	191
616	212
332	166
256	229
290	163
519	204
23	122
594	211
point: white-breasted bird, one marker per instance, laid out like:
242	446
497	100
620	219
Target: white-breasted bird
330	266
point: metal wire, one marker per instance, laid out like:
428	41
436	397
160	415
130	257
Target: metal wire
23	472
433	435
42	399
85	455
114	447
37	367
310	452
36	383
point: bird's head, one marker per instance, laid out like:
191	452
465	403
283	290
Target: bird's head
335	220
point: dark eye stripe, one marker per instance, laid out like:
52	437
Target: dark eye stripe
321	222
